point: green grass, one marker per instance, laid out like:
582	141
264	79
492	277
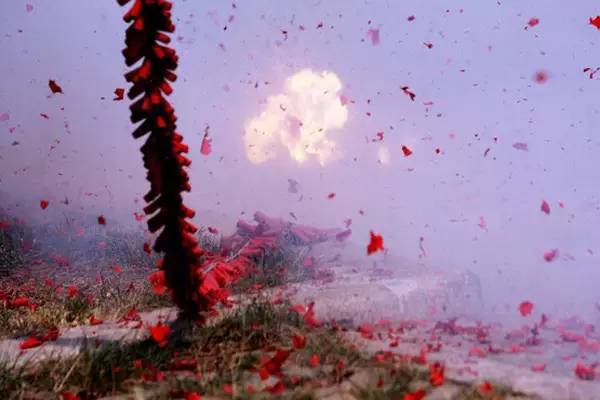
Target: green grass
108	299
226	349
228	352
231	350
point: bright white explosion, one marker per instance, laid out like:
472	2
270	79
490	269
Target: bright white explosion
298	120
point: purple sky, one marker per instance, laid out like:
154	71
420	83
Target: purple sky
226	76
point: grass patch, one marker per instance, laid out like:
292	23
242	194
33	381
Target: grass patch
15	240
214	355
49	305
235	355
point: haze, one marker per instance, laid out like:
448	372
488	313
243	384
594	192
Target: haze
471	65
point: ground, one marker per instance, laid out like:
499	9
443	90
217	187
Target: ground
253	350
340	332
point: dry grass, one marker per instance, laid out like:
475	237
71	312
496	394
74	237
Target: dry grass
99	270
224	359
52	306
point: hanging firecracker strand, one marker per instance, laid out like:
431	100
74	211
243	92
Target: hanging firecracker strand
163	152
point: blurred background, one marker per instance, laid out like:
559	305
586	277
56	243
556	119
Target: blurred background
442	126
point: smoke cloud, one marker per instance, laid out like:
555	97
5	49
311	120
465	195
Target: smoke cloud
299	120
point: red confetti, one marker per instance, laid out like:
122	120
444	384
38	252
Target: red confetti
183	364
408	92
51	334
373	34
477	352
299	308
69	396
538	367
44	204
375	244
20	301
276	388
550	255
30	343
525	308
132	315
331	195
416	395
309	317
72	291
264	374
540	77
314	360
159	333
366	331
482	223
101	220
485	388
299	341
54	87
429	45
595	21
406	151
584	372
532	22
158	281
227	388
192	396
95	321
436	374
119	93
545	207
206	146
